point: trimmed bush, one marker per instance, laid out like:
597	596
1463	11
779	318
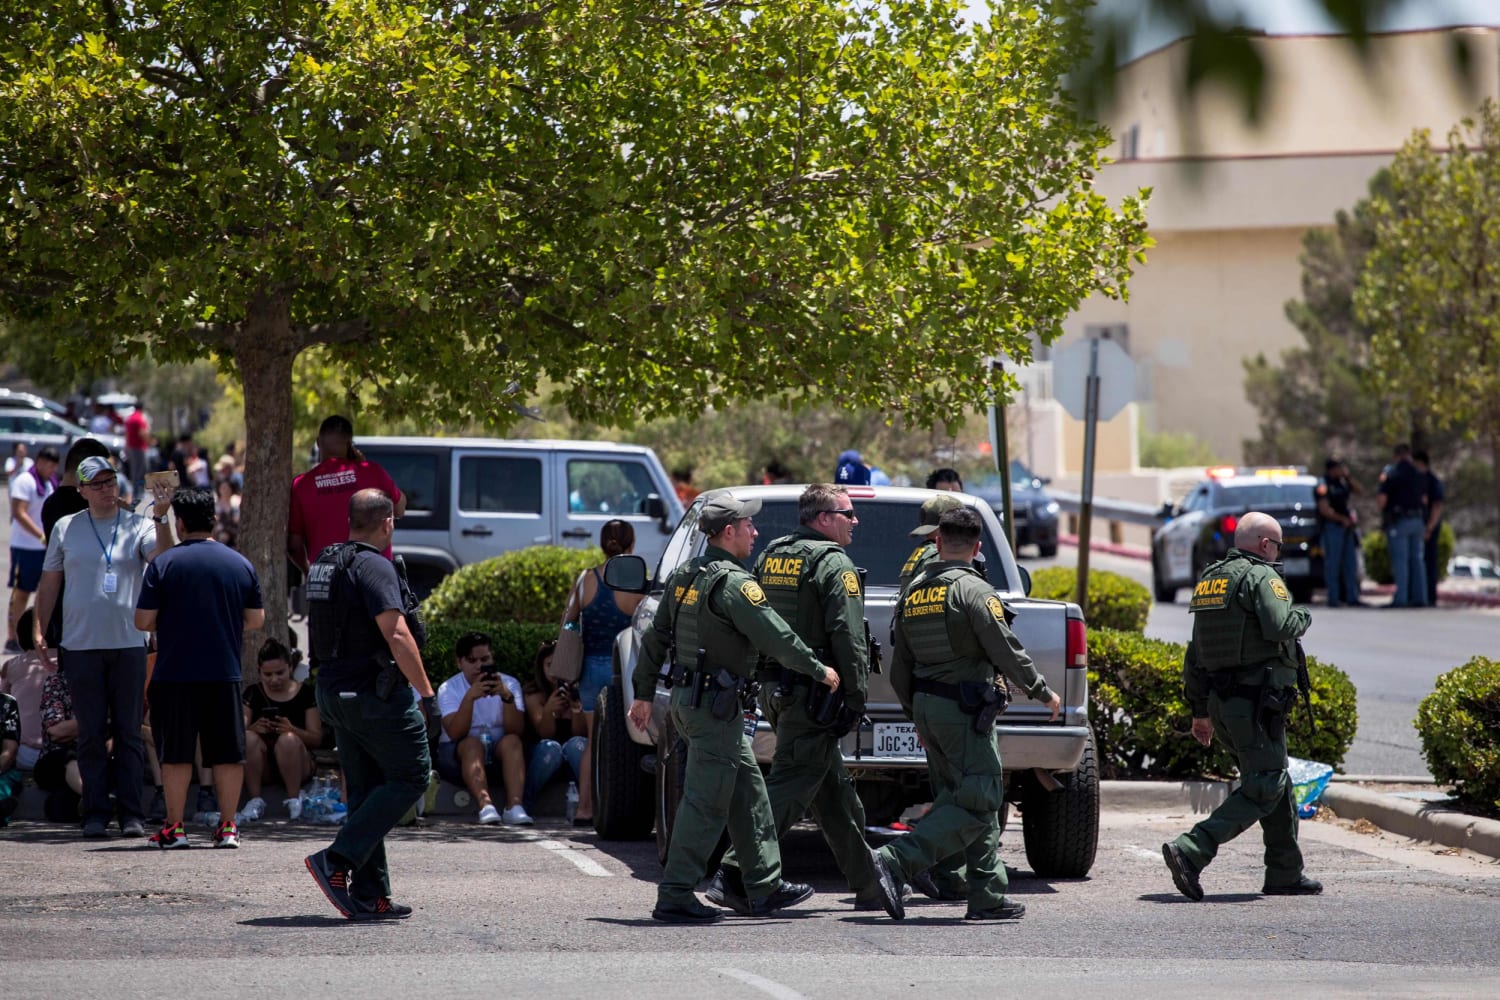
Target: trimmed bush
1115	601
513	643
1459	723
528	585
1378	554
1143	726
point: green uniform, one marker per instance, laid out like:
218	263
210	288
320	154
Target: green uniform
1240	672
712	603
813	585
950	628
924	555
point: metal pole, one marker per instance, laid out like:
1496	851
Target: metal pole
1086	507
999	444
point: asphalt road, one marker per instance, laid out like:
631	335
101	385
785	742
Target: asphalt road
553	912
1392	655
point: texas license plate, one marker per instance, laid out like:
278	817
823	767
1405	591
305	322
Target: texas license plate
897	739
1298	567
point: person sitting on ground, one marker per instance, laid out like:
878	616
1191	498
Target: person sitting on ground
482	729
56	770
23	677
282	728
10	746
227	513
554	720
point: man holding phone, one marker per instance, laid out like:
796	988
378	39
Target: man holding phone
483	722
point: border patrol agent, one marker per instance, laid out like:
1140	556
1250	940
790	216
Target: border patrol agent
926	551
812	583
1239	676
952	642
711	620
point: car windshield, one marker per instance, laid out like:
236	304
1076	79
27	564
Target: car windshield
1256	496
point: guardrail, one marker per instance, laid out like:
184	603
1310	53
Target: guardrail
1116	512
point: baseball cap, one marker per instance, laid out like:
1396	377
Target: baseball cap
933	508
721	508
91	469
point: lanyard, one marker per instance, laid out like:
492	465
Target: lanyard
109	551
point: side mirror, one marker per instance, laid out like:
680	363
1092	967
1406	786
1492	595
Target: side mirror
1167	511
653	507
627	573
1025	580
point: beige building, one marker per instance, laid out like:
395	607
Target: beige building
1230	202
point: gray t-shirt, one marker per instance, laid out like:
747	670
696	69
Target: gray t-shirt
93	619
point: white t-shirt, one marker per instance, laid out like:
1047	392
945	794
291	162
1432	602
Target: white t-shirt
489	713
11	463
24	487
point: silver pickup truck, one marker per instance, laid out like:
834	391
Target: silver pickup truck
1050	769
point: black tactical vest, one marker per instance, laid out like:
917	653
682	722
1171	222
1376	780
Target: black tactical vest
338	626
697	626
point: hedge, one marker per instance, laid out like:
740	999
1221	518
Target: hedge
1143	726
513	643
1378	554
1459	723
1115	601
528	585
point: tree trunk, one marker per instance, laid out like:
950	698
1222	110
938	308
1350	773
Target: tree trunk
264	347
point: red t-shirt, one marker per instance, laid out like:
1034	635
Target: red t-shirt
137	431
320	500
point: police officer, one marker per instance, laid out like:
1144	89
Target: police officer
813	585
1403	504
1239	676
926	551
1432	522
952	645
712	619
1339	535
367	663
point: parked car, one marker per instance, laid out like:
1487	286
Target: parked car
468	499
36	427
1050	770
1200	530
14	398
1035	511
1473	573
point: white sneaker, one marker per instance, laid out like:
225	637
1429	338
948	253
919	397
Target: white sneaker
516	816
489	814
254	809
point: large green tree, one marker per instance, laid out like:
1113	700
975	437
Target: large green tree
1430	287
654	206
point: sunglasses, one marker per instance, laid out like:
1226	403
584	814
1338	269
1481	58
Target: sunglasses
845	512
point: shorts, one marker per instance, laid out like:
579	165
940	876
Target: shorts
185	714
271	772
598	671
51	772
450	770
26	568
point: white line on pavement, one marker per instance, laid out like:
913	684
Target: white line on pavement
585	864
768	986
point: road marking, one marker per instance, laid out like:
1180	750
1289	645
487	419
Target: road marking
585	864
767	986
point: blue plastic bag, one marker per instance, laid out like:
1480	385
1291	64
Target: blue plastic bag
1309	778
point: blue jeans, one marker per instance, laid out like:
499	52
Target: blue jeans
1404	539
1340	570
546	758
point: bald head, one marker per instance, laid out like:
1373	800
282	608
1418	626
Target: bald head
1253	529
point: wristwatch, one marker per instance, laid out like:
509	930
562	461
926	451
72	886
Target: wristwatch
160	518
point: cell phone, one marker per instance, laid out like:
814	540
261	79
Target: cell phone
167	476
271	713
492	669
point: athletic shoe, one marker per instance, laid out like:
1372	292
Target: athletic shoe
95	829
1183	873
254	809
173	836
1005	911
489	815
1304	886
379	909
516	815
227	835
132	828
333	881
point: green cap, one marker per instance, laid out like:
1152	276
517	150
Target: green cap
933	508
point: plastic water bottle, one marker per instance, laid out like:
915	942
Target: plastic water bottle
571	809
489	747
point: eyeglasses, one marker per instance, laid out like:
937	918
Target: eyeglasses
845	512
100	484
1274	541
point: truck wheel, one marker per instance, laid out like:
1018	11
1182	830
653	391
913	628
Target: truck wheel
671	774
1061	828
622	790
1165	593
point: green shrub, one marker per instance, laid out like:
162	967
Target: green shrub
529	585
1378	555
1143	726
1459	723
1115	601
513	643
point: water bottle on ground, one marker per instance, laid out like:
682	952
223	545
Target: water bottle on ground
571	808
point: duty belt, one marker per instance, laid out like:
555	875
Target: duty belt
942	690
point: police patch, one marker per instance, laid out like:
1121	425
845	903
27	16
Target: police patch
1279	589
996	608
752	592
851	582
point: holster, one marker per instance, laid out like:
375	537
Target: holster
1272	711
388	677
984	701
726	703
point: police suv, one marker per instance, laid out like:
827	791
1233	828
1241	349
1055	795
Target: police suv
1050	769
1200	530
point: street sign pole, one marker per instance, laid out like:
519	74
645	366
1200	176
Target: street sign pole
1086	512
1000	446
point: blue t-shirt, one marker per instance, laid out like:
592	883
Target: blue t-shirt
200	591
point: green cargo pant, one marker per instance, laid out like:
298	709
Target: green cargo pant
723	787
964	819
1264	795
807	772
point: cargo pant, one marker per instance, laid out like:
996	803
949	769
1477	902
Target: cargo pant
1264	795
807	772
722	788
964	819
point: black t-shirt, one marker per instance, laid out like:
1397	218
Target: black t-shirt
1337	492
64	500
293	709
1405	490
370	581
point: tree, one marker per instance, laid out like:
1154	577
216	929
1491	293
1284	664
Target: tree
657	207
1430	286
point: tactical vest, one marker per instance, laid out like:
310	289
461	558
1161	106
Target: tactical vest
919	558
924	617
695	626
786	573
1228	637
337	624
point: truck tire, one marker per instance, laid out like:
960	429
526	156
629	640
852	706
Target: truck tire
623	795
1061	828
671	774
